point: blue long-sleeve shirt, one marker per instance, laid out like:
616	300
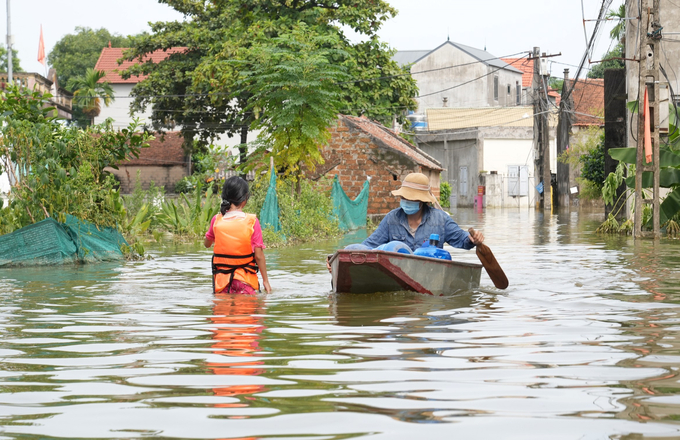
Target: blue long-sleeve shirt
435	221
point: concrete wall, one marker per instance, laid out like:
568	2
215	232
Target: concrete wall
499	154
475	94
487	149
165	176
119	111
454	151
669	53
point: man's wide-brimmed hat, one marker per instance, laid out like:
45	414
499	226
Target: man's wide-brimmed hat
416	186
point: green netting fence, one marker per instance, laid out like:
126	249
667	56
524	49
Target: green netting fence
49	242
351	213
269	214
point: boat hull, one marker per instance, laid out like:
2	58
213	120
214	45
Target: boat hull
358	271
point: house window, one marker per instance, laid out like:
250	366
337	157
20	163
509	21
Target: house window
518	180
495	88
463	181
519	92
509	89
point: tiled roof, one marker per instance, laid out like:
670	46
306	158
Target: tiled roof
166	149
108	62
587	101
526	66
392	140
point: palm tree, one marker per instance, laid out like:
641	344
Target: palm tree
620	29
89	92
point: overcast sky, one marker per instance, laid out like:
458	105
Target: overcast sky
505	27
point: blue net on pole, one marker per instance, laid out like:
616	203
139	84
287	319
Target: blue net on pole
351	213
269	214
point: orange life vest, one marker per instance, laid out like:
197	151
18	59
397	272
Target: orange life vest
234	258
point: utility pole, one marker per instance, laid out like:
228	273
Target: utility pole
541	131
650	36
9	46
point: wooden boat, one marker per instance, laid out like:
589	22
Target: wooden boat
369	271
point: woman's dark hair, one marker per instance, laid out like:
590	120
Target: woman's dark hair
235	191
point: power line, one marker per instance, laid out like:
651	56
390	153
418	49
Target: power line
470	81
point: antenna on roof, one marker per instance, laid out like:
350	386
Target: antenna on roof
447	35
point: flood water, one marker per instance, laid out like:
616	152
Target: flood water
582	345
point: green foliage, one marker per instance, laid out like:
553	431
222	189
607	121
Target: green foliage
60	169
294	94
444	194
593	164
201	86
89	93
612	183
610	62
556	83
587	151
190	216
16	66
304	218
75	53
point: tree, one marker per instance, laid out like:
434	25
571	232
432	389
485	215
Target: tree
16	67
75	53
294	94
199	88
90	93
619	30
612	60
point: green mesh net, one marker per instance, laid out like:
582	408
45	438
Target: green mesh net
351	213
269	214
49	242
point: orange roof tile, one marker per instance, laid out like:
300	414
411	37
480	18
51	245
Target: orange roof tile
587	101
526	66
166	149
392	140
108	62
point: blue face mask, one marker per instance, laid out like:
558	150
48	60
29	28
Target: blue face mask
410	207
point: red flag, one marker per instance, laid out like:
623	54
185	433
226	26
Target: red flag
648	134
41	49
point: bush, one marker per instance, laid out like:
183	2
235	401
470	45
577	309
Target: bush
303	217
445	194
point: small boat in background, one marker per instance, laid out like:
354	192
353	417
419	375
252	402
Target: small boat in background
369	271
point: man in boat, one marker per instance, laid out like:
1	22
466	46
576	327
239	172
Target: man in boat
415	220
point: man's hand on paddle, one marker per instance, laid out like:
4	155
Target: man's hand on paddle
476	237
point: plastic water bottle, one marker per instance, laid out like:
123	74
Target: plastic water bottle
395	246
431	250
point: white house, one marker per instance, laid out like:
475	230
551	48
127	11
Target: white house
456	75
119	109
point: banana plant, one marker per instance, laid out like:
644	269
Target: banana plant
669	167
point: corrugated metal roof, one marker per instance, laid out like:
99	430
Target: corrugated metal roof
479	54
455	118
404	57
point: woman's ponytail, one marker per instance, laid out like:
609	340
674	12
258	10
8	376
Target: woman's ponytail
234	192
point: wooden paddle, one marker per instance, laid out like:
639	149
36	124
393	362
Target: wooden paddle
491	265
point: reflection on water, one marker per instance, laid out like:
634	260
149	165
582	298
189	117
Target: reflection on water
582	345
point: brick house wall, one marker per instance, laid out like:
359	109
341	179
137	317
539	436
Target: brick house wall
360	148
161	175
162	162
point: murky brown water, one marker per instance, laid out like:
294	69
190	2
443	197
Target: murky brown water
583	345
